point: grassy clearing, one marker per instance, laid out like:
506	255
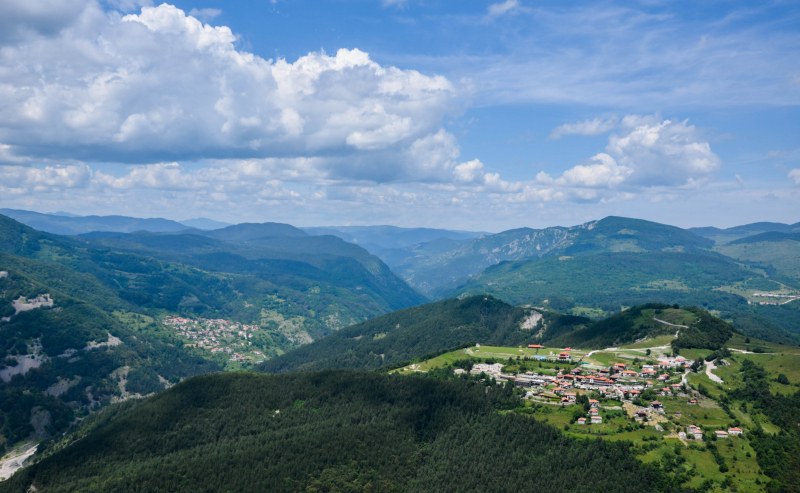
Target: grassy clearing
706	413
497	353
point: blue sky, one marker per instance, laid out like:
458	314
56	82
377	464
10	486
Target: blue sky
481	115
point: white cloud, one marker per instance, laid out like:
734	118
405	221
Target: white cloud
25	179
643	151
503	8
160	176
794	175
595	126
162	85
662	153
602	170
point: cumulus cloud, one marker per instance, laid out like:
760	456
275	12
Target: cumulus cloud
595	126
794	175
160	85
602	170
662	152
643	151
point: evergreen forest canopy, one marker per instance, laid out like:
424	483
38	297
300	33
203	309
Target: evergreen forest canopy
330	431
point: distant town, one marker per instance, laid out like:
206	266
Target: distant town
233	340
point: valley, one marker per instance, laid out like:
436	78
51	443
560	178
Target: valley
644	336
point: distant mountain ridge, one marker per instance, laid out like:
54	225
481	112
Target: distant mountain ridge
74	225
437	268
726	235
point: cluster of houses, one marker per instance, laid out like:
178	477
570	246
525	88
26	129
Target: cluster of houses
615	382
218	336
593	414
694	432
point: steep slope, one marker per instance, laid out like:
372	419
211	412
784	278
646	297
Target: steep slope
695	328
412	333
608	280
620	262
340	282
332	431
436	268
295	286
63	354
621	234
776	252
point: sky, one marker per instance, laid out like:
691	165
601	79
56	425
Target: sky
470	114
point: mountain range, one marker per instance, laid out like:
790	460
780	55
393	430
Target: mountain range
92	328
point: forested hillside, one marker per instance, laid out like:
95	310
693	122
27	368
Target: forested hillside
412	333
299	287
333	431
63	353
694	327
81	318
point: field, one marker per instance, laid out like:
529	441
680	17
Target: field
727	463
495	353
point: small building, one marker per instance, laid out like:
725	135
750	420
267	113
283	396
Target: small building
594	411
657	405
594	403
597	420
564	357
735	432
581	421
721	434
695	432
693	401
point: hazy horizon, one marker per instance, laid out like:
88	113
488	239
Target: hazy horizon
485	115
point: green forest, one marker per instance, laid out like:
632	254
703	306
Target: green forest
329	431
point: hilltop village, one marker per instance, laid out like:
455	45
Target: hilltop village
630	391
